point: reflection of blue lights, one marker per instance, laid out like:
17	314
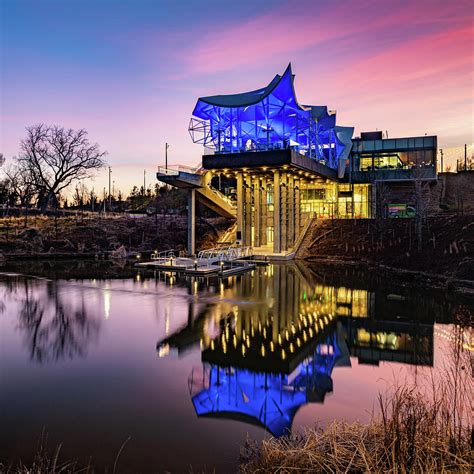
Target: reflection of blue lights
271	400
270	118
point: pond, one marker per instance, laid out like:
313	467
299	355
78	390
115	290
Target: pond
180	371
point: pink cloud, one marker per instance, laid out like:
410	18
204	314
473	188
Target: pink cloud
286	31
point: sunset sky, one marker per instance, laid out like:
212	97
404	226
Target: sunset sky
130	72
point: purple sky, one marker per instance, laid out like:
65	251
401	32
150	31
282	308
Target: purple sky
130	72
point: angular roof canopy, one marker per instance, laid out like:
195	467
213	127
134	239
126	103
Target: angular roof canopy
270	118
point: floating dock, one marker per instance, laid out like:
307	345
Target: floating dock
222	261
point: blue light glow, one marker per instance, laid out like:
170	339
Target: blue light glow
270	119
268	399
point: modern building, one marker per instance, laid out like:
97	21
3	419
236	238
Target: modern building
274	164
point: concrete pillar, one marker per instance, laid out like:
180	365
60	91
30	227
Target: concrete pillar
248	210
297	208
240	207
257	196
291	211
264	207
192	222
276	213
284	211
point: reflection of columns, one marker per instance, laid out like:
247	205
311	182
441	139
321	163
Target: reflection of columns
284	211
276	213
248	210
297	208
240	208
191	221
282	278
257	196
291	211
276	304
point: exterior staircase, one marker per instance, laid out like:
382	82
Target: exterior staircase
195	178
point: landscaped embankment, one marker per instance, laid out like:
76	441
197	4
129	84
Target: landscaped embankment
86	235
446	251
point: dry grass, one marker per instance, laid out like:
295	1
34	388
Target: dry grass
45	462
418	429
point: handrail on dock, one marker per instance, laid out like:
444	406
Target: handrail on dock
228	253
165	254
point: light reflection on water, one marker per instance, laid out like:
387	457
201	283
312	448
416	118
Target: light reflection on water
187	367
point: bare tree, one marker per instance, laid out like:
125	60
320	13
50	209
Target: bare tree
56	157
2	159
421	198
20	188
383	199
81	193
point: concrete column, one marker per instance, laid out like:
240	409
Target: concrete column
297	208
248	210
284	211
257	196
192	222
291	211
240	207
276	213
264	206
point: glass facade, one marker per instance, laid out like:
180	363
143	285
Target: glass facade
336	201
394	154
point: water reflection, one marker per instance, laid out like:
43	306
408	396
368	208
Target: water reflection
53	327
270	342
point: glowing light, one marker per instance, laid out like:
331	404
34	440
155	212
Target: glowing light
163	350
107	297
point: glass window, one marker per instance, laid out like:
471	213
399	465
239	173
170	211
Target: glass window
368	145
389	144
402	143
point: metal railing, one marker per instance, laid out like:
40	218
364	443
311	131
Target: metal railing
164	255
220	254
222	196
174	170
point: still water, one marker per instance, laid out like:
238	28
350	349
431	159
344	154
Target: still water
185	369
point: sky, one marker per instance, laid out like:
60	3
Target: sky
130	72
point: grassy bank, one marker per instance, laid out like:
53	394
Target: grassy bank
90	234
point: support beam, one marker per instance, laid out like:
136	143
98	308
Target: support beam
264	206
284	211
248	210
257	196
192	222
276	213
291	212
240	208
297	208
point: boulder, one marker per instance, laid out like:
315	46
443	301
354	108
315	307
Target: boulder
119	253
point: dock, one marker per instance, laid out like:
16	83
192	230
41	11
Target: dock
221	261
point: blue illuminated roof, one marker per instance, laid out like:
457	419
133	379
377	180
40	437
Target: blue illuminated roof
270	118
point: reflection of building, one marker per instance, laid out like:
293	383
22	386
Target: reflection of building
269	399
272	162
271	340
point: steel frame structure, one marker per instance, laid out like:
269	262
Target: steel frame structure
267	119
